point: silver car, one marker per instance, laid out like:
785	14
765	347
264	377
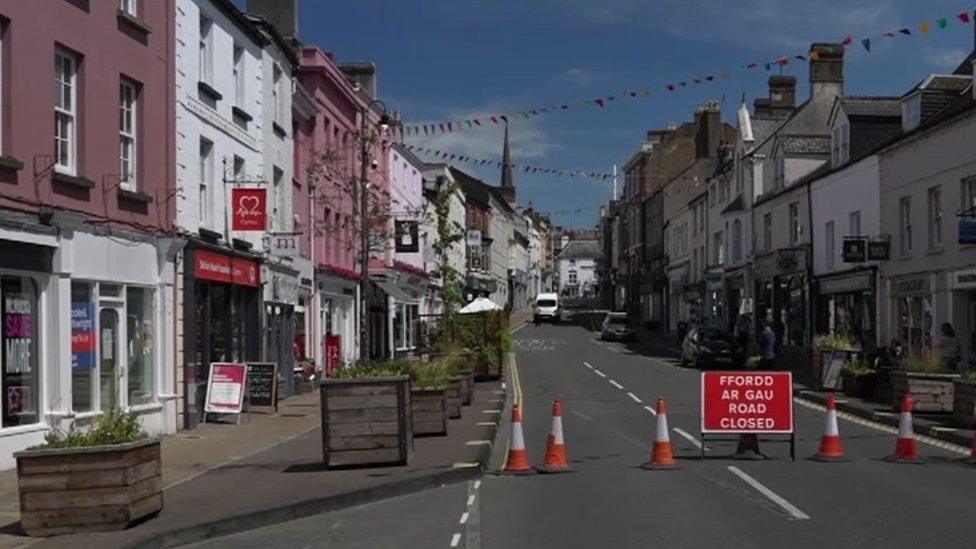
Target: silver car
616	327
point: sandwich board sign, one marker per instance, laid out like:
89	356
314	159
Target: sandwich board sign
226	385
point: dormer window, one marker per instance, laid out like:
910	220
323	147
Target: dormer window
840	145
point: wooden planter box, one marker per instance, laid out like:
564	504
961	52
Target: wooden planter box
429	410
931	392
859	386
93	489
964	403
827	366
454	396
366	421
467	387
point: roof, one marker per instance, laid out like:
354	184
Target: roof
871	106
953	83
237	17
804	144
474	189
581	249
276	37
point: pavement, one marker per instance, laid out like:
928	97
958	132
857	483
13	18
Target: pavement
608	391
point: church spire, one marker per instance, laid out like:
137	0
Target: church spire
507	181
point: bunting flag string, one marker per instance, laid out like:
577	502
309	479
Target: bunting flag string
522	167
924	28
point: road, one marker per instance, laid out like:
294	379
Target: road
608	391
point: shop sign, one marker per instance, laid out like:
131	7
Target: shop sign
224	268
225	388
281	244
82	336
747	402
333	354
474	238
855	283
855	250
967	231
407	236
250	207
879	250
965	279
915	285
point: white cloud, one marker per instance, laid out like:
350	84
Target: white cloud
578	76
943	58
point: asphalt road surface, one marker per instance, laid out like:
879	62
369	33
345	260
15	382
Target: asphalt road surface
608	391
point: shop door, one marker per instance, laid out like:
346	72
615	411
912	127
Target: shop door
111	357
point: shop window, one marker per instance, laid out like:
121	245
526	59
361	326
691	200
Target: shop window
19	350
84	381
794	223
140	327
935	217
905	213
405	327
915	322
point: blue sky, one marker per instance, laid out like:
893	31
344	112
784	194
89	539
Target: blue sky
450	59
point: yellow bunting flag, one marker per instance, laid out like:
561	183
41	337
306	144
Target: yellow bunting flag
924	27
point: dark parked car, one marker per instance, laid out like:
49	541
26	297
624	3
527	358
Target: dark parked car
711	348
616	327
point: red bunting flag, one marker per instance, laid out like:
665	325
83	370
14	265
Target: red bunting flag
670	87
847	40
599	102
964	17
478	122
493	119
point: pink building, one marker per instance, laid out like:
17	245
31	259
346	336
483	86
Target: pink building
87	153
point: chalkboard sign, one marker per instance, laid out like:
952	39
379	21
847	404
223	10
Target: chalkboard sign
262	385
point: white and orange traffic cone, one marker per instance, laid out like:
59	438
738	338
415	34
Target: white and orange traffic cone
748	448
831	447
906	450
555	460
517	462
662	455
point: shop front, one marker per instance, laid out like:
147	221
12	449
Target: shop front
714	301
912	311
222	313
281	291
478	285
782	297
337	327
847	305
963	305
405	292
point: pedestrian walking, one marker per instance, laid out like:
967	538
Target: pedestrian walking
949	351
767	345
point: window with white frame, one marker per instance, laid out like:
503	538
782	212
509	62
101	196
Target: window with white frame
278	199
935	217
829	242
206	49
968	194
405	326
794	223
239	169
205	175
737	241
573	277
129	6
277	94
719	254
128	136
239	76
854	223
905	222
768	231
65	111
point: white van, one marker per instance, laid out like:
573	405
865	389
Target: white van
547	308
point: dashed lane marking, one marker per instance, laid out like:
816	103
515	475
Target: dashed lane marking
635	398
466	465
690	438
491	411
487	423
588	365
477	443
651	410
464	517
599	373
455	539
477	484
615	384
787	506
470	500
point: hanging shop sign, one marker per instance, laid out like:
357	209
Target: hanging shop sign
281	244
879	250
224	268
967	231
474	238
250	207
82	336
407	236
747	402
855	250
225	388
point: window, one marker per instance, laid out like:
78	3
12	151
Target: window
737	241
794	223
277	94
278	199
780	173
405	327
128	144
845	150
719	257
239	175
829	244
854	224
835	146
128	6
768	232
968	194
84	375
206	177
239	82
65	111
206	49
905	212
935	217
19	350
573	279
139	329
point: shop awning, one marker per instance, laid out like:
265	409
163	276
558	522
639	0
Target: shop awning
397	292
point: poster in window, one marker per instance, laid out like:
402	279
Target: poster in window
407	236
333	354
82	336
18	333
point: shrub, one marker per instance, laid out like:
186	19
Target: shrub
927	364
429	374
112	427
392	368
832	340
859	367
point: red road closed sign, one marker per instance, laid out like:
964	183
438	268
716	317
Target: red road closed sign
747	402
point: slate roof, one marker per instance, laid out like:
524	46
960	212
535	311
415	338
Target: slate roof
804	144
474	189
882	107
581	249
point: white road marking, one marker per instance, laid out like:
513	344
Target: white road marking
464	518
588	365
636	399
651	410
615	384
455	539
787	506
477	484
599	373
470	500
690	438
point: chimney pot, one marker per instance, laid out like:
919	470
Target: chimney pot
826	68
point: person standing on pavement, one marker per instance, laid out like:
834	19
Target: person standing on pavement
767	345
949	350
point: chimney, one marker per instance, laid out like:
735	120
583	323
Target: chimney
763	108
708	131
361	73
826	69
281	14
782	91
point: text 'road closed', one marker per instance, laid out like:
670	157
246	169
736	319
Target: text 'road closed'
747	402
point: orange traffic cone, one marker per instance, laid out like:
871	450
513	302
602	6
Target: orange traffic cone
972	454
555	460
831	447
662	456
518	458
905	448
748	448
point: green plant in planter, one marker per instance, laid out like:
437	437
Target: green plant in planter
112	427
927	365
752	363
429	374
859	367
831	341
392	368
971	376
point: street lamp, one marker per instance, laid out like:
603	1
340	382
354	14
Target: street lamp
361	194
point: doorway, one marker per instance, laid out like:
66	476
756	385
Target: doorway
111	359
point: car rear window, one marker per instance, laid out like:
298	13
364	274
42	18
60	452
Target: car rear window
546	303
617	320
